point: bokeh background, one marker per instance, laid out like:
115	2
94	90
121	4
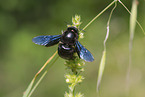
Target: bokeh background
20	59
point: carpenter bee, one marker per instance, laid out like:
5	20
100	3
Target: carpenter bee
68	44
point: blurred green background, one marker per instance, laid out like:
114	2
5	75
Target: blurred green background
20	59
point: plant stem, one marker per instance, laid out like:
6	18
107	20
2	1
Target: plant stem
99	14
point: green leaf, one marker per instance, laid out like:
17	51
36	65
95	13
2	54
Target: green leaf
133	17
101	69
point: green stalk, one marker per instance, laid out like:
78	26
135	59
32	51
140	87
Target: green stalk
99	14
35	86
28	90
103	59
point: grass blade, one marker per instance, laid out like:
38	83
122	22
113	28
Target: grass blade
103	59
26	93
131	14
29	88
101	69
133	18
37	84
40	79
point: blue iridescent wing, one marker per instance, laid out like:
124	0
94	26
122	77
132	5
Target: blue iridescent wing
83	53
47	41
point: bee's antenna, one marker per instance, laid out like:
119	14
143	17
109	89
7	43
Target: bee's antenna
67	23
82	30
